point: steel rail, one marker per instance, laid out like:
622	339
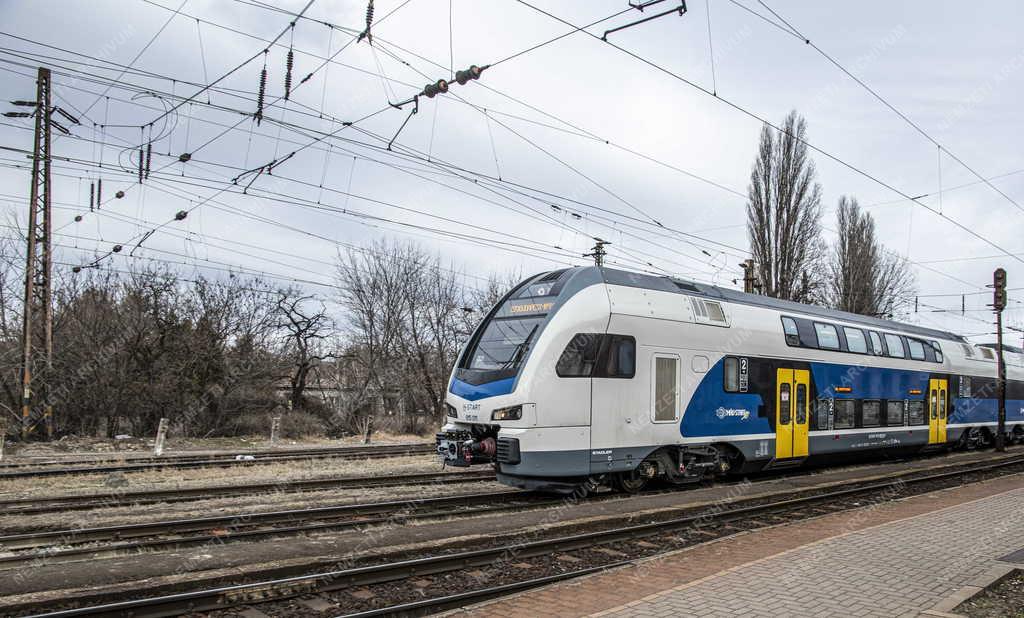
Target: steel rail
240	521
361	453
114	499
230	596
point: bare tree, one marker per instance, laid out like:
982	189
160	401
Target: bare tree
863	277
784	214
306	328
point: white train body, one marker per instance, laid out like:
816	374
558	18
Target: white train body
592	374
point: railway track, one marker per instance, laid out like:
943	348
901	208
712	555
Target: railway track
59	545
36	506
31	470
542	559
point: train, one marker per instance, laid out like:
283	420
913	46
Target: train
590	377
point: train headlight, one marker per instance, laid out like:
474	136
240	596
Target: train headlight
450	409
507	414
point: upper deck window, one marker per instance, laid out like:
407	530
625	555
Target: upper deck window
855	340
876	344
895	345
790	329
827	336
916	349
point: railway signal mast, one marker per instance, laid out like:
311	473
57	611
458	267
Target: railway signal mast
998	304
37	315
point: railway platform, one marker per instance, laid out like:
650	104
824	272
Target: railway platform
921	556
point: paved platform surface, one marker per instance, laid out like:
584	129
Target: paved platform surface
890	559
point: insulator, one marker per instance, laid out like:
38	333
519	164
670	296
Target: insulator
288	74
76	269
92	195
119	194
181	215
471	73
99	193
117	248
60	127
67	115
17	114
306	78
259	98
432	90
78	218
185	157
149	157
142	162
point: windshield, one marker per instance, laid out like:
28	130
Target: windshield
504	343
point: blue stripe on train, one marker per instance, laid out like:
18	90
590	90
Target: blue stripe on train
473	392
714	412
984	410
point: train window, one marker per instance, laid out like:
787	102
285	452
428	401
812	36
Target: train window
894	413
916	349
580	356
855	340
876	344
933	406
666	388
844	414
894	345
792	334
938	351
785	416
821	417
731	379
621	357
942	404
987	353
968	350
827	336
915	413
871	413
801	404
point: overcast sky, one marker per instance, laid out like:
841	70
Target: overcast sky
561	121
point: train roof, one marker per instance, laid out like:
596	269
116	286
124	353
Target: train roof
681	286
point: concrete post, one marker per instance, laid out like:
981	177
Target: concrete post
275	430
161	437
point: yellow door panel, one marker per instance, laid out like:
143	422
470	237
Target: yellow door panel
784	414
938	391
943	411
801	411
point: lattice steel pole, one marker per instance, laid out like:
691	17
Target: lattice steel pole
37	315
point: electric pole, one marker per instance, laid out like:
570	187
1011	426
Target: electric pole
748	276
999	303
37	315
598	252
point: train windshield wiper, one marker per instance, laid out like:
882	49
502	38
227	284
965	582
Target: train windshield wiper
520	350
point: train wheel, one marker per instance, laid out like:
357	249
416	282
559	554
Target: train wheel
629	482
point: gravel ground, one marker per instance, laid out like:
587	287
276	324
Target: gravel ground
48	486
1003	599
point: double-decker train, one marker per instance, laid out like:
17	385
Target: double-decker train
590	376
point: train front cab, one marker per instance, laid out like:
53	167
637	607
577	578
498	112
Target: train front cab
504	405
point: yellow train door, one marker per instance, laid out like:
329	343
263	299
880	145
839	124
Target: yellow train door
792	413
938	400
